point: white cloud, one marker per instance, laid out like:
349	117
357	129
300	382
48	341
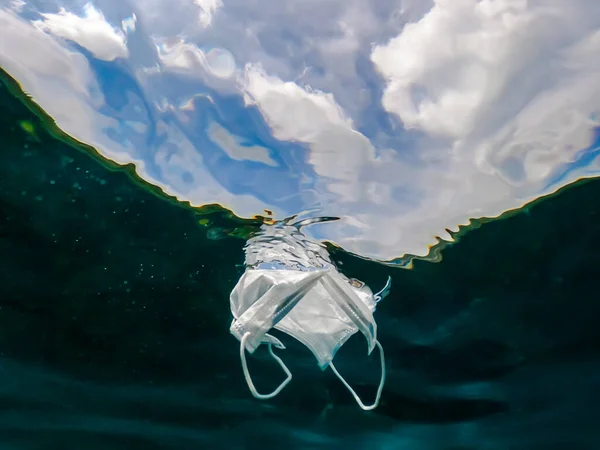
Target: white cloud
338	153
208	8
294	113
235	149
176	53
469	66
91	31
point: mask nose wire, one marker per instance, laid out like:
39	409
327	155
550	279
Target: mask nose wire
381	383
247	372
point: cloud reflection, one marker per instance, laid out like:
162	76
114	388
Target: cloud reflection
405	118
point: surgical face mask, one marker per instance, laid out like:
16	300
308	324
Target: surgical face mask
294	288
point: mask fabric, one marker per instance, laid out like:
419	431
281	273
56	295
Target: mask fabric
290	284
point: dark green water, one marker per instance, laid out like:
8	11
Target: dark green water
114	325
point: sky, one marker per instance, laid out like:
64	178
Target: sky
403	118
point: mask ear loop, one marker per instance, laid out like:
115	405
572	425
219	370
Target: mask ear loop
385	291
381	383
247	372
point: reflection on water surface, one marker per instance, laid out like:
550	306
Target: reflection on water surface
404	118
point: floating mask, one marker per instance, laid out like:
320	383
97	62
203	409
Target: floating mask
290	284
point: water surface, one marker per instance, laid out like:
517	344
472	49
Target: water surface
406	118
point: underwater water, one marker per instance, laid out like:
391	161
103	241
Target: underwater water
114	323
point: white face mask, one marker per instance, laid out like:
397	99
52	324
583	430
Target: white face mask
318	306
